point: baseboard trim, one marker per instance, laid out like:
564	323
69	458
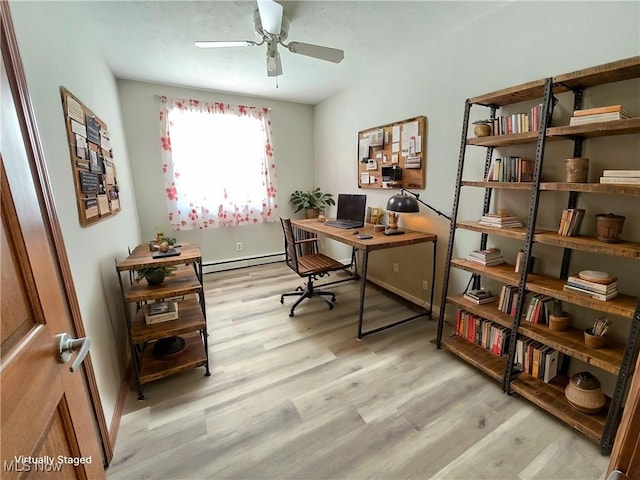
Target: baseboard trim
118	411
241	262
407	296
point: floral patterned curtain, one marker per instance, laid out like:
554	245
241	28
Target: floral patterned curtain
218	164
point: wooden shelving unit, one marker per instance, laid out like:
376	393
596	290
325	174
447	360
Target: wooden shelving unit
617	359
185	288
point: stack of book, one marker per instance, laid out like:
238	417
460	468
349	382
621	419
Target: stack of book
536	359
160	312
570	222
596	290
499	221
599	114
510	169
539	309
488	257
629	177
479	296
485	333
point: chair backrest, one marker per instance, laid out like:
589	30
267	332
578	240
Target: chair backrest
291	255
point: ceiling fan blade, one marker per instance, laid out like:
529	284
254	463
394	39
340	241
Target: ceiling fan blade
270	16
274	69
316	51
221	44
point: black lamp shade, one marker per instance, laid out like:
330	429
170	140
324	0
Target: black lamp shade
403	204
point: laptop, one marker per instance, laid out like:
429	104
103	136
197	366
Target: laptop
351	211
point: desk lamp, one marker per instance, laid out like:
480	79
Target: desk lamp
403	203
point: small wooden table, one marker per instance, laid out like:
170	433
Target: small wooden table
379	241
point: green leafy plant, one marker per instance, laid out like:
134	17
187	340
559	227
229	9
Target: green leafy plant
313	199
155	275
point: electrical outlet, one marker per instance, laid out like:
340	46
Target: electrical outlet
425	284
395	267
239	246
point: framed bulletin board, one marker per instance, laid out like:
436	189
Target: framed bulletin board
393	155
94	171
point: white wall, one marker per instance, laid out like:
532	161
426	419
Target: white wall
57	51
292	130
517	42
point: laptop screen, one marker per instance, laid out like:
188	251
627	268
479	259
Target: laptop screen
351	207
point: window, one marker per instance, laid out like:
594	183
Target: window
218	164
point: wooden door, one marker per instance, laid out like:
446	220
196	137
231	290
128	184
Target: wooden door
47	422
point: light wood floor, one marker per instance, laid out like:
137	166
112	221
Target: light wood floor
301	398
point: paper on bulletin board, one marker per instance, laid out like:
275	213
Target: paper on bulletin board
74	109
364	178
81	146
409	136
395	133
103	204
78	128
363	148
105	143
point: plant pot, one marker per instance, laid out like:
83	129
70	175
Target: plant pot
311	213
558	323
609	227
482	129
584	393
594	341
155	278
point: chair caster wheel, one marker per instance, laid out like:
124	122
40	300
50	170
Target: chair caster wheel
291	314
281	300
331	306
333	299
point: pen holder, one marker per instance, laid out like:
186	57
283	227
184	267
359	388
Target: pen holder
594	341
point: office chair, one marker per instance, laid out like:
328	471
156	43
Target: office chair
305	264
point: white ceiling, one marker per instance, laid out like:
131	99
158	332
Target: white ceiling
153	41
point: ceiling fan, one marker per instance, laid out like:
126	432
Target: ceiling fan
272	27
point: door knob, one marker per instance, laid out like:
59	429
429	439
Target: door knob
68	345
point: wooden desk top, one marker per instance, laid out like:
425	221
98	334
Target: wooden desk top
141	258
378	242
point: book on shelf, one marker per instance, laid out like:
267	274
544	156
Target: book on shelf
511	224
598	110
621	180
158	312
479	296
597	296
598	117
570	222
576	281
499	221
488	257
479	301
510	169
621	173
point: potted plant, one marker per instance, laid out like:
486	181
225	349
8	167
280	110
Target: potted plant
312	202
482	128
155	275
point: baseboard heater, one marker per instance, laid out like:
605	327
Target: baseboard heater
241	262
